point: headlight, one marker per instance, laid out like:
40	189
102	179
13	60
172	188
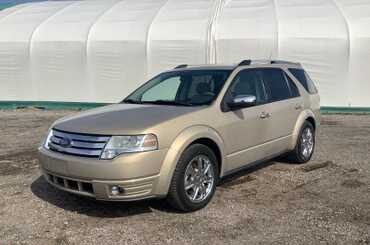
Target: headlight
127	144
47	139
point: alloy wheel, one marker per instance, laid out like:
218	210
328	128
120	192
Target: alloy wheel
199	179
307	142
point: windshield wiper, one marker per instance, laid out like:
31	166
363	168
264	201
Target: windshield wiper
167	102
131	101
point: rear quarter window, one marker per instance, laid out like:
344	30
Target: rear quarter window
304	79
293	88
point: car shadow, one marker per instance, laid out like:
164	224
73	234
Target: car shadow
104	209
92	207
248	169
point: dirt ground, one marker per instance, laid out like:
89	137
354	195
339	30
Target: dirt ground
326	201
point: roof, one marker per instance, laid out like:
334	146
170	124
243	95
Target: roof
250	63
205	67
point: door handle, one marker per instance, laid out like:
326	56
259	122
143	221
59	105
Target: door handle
265	115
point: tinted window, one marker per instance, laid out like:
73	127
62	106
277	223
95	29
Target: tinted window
276	84
186	87
293	88
248	82
203	86
304	79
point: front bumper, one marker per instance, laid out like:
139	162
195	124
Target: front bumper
101	190
136	174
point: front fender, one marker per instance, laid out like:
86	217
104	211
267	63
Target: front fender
182	141
301	119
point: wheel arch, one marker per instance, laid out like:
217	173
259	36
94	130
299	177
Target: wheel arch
192	135
306	115
213	146
312	121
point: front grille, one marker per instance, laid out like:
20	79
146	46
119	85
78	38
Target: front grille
85	145
77	186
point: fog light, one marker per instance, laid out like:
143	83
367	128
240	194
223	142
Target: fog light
116	190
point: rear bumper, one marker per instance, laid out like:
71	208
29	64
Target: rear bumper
135	175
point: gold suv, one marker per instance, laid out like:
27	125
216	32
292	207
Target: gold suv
178	134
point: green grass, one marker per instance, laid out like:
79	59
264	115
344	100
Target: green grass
53	105
5	5
48	105
345	110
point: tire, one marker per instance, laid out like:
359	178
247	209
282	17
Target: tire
185	174
298	155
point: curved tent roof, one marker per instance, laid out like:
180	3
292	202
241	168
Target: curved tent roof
99	51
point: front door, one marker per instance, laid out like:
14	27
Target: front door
244	130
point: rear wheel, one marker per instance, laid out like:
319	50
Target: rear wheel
194	180
304	149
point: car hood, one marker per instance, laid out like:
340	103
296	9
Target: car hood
121	119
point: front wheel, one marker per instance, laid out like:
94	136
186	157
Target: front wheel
194	180
305	146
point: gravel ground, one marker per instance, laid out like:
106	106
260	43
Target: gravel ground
326	201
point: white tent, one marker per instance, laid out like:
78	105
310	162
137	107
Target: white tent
100	50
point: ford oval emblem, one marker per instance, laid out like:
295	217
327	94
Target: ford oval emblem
65	142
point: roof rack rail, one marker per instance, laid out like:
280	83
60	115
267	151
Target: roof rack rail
245	63
250	62
284	62
181	66
260	61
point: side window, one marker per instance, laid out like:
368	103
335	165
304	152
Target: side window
248	82
293	88
276	85
304	79
197	83
166	90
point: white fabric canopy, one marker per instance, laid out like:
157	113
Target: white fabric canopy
99	51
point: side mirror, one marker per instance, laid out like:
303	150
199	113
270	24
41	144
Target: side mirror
242	101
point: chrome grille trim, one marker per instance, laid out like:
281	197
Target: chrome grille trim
80	137
75	151
77	144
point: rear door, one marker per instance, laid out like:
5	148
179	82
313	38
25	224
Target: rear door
284	107
314	99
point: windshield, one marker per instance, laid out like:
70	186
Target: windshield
183	88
